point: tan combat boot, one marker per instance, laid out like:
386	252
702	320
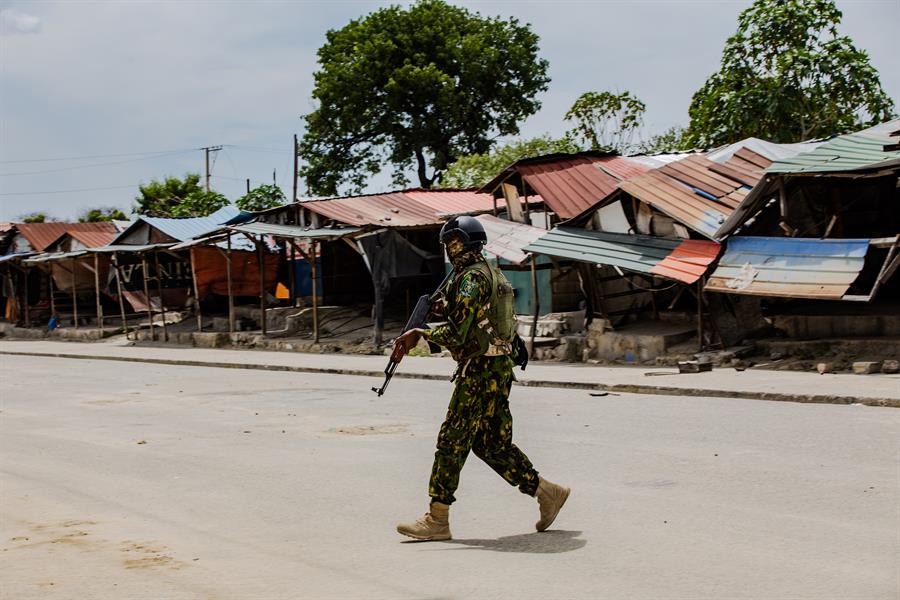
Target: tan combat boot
551	498
433	525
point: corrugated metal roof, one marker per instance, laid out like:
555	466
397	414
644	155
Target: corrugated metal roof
570	183
16	256
41	235
858	151
93	239
54	256
507	239
453	202
292	231
789	267
407	208
186	228
569	187
680	260
695	191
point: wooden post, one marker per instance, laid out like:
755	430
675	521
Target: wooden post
230	295
495	204
527	208
25	297
537	301
292	275
147	296
315	291
119	290
97	289
294	178
74	293
196	293
260	259
700	312
159	290
52	300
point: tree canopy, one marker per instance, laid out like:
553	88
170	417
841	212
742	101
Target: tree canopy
100	214
36	217
606	121
476	170
260	198
416	87
176	197
786	76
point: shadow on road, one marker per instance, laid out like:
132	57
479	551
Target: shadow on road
547	542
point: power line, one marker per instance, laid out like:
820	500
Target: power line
104	164
115	187
27	160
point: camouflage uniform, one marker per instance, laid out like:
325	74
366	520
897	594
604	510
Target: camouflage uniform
478	418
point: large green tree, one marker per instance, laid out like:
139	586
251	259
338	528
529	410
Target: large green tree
787	75
260	198
476	170
606	121
174	197
417	88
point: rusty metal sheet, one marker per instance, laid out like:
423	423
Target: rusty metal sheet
789	267
453	202
695	171
42	235
408	208
93	239
508	239
678	201
570	184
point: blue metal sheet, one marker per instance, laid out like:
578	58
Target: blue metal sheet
789	267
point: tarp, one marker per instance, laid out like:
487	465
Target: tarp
210	269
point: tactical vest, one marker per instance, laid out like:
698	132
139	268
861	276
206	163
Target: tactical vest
495	333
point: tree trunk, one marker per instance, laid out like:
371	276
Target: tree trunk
424	180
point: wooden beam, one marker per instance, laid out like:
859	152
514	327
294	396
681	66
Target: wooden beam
315	292
147	295
159	290
74	292
230	294
120	294
96	288
196	292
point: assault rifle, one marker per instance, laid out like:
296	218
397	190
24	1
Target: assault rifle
416	321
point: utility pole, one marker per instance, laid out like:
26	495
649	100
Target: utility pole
207	150
294	178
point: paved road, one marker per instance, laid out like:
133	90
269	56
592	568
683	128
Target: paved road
137	481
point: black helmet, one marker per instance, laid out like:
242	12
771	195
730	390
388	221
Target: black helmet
468	229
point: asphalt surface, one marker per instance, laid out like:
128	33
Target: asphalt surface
145	481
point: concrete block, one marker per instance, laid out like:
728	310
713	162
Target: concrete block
890	366
210	339
693	366
825	367
866	367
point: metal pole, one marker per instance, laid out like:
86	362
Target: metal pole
147	296
97	289
119	290
196	293
74	294
537	301
315	292
262	283
230	295
162	304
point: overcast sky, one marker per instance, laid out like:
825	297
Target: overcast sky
133	90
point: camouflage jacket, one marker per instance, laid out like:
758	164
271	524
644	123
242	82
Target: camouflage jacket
464	300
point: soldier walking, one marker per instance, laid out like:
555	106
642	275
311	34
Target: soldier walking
480	333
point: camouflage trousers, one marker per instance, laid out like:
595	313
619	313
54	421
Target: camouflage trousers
479	420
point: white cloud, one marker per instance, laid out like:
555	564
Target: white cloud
13	22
